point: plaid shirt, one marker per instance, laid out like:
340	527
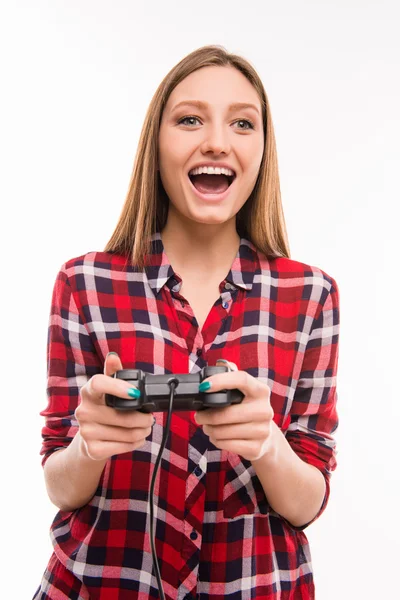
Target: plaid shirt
216	534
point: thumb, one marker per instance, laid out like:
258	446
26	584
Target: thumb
112	363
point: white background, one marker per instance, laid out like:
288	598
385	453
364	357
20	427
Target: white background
77	78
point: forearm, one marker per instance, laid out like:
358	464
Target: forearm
71	476
294	489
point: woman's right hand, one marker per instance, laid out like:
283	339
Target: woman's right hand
105	431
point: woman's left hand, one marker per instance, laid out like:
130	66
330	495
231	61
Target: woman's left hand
247	428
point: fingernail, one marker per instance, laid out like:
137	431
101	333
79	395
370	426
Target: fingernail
108	353
203	387
133	392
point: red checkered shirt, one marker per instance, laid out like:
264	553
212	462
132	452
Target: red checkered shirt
216	534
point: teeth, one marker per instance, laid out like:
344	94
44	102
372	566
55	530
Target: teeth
212	171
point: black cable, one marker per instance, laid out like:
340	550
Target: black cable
173	383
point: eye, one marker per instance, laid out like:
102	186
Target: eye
250	123
181	121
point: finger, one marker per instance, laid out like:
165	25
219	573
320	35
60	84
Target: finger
246	448
241	380
112	364
107	433
99	384
223	361
106	415
98	450
240	431
258	411
252	388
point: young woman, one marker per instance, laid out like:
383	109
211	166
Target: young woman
197	270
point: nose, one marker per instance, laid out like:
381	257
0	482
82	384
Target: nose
216	140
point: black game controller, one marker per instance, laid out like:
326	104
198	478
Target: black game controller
155	391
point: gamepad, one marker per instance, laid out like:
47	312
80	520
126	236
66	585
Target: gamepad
155	391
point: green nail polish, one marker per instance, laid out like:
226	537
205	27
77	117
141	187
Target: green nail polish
134	392
203	387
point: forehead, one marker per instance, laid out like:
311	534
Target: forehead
218	86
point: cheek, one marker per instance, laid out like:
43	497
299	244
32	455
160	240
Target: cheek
169	178
250	158
172	162
175	147
254	165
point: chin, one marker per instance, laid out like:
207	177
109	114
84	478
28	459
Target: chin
210	219
203	214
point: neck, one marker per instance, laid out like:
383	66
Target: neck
201	249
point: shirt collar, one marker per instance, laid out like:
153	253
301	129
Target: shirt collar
159	272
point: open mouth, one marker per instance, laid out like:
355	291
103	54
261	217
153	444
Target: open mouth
211	184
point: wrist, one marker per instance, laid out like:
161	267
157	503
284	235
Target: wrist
269	455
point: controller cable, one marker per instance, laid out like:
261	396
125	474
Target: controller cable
173	384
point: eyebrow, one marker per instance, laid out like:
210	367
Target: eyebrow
204	105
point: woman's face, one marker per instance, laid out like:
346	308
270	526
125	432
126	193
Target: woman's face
213	132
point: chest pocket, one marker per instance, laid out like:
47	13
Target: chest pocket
243	492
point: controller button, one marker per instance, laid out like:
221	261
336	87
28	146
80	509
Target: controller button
198	471
194	535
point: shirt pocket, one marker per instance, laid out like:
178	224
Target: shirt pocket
243	493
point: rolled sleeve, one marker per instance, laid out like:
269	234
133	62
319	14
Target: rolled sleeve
71	361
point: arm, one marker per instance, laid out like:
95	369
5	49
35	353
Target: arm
71	476
293	469
294	488
295	476
81	433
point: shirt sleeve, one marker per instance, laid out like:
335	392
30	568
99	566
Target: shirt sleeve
313	415
71	361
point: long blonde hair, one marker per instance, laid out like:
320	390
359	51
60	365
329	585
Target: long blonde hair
145	210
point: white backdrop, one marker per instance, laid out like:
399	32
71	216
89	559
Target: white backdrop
77	77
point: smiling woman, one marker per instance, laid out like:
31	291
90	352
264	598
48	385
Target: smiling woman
209	98
213	133
196	271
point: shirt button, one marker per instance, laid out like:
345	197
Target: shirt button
225	305
193	535
198	471
199	351
228	286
